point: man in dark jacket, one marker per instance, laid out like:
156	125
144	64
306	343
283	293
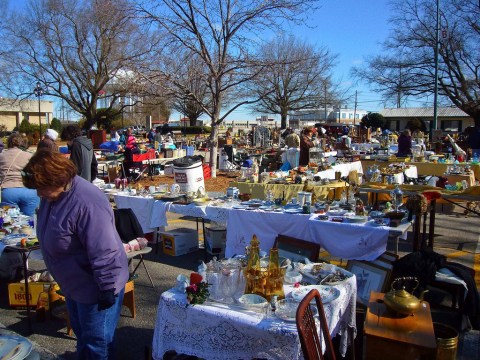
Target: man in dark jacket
81	152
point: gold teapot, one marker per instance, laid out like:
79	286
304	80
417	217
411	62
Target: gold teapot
400	300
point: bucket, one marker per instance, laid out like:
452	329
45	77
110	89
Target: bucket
447	341
188	149
188	173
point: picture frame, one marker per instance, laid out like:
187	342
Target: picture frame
370	277
296	249
389	257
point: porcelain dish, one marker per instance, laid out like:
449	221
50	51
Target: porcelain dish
327	293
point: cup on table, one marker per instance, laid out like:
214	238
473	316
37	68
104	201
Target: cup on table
151	189
182	283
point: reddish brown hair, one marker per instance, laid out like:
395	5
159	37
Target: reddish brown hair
47	168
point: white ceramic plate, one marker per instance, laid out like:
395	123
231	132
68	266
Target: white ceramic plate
240	207
356	219
338	212
327	293
294	211
289	312
8	342
13	239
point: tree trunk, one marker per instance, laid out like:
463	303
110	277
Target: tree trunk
283	122
213	149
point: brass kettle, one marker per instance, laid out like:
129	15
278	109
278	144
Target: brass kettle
400	300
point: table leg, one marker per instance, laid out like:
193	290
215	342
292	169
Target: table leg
431	228
27	291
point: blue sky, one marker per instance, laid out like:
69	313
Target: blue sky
353	29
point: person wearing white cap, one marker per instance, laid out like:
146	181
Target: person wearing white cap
48	140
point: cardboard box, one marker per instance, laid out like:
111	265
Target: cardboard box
179	241
16	293
215	240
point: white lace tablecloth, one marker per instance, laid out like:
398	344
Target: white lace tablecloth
219	332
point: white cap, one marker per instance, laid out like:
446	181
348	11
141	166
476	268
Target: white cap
52	134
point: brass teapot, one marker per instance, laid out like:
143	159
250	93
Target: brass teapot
400	300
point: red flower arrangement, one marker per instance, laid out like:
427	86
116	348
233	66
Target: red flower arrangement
197	291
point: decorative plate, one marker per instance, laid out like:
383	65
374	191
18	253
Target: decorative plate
240	207
327	293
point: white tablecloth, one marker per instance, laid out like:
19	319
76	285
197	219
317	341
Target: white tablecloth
243	224
149	211
344	169
349	241
219	332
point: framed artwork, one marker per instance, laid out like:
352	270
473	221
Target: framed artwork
370	277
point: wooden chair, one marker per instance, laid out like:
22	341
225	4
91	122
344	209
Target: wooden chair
307	331
296	249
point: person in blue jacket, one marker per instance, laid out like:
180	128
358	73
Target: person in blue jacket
81	249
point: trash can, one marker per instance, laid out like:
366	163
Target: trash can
188	173
447	341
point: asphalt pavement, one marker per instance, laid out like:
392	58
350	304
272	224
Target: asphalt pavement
456	236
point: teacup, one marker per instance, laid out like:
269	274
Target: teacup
182	283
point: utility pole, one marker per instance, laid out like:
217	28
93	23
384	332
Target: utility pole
325	93
435	95
355	109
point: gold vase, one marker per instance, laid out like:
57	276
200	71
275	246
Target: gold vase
255	277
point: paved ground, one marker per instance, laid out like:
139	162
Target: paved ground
455	236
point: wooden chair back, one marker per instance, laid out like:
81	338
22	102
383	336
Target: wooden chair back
310	340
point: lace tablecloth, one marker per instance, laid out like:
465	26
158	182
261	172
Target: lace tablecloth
215	331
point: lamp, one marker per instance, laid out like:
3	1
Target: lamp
38	93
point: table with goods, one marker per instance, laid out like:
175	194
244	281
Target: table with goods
429	168
332	224
249	308
17	235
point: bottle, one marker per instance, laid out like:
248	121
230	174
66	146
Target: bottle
43	304
306	208
253	271
274	285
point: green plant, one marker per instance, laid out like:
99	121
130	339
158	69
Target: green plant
197	293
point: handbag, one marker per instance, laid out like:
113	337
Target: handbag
4	176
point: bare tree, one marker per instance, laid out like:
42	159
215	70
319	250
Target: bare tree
221	34
408	67
76	49
190	101
297	74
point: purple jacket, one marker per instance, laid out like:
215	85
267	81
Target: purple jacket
80	244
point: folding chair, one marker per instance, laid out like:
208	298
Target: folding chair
129	229
141	164
296	249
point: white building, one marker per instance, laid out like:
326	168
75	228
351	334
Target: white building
12	112
302	118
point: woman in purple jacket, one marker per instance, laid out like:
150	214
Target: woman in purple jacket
81	249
